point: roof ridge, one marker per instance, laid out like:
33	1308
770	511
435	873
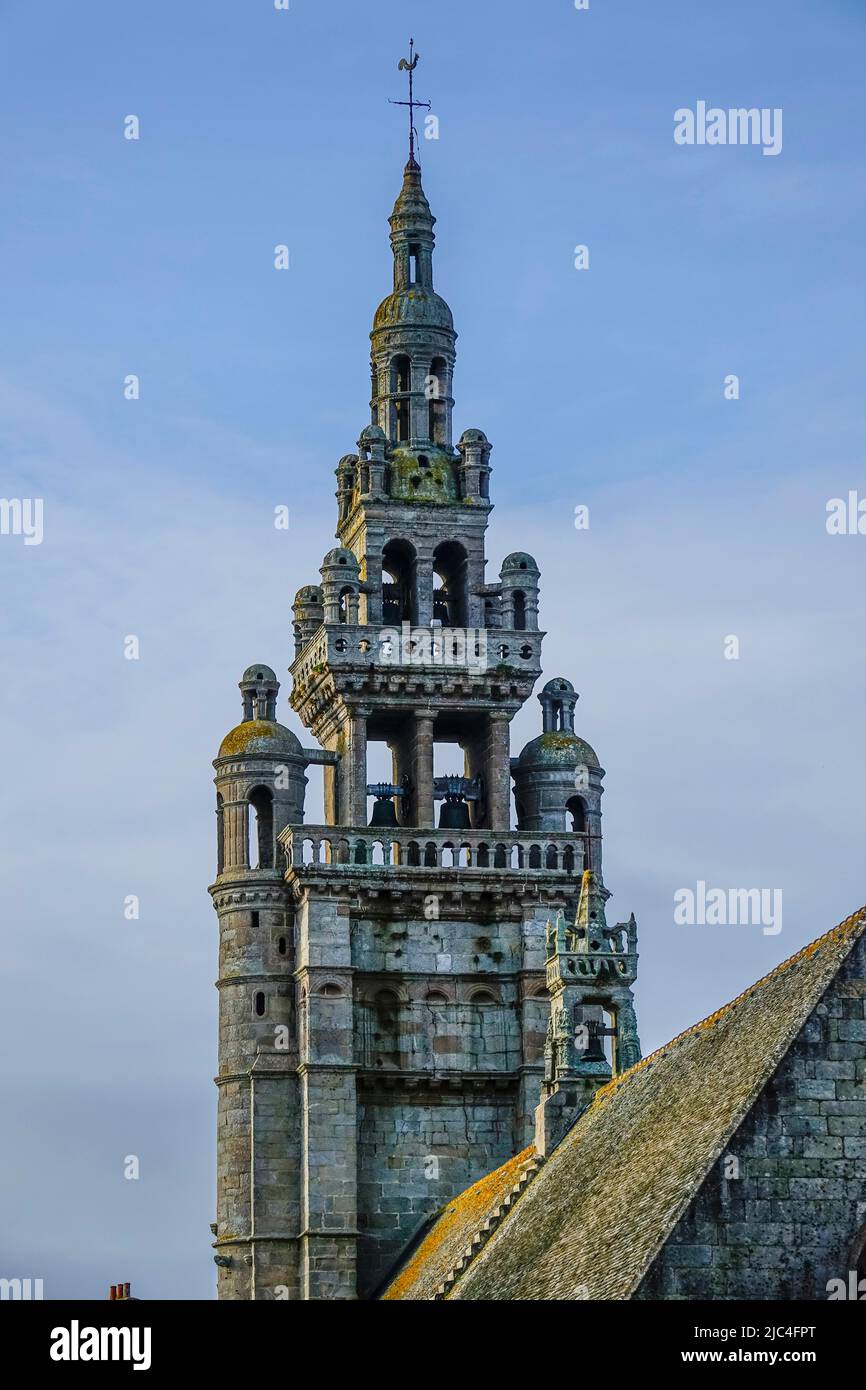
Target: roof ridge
847	926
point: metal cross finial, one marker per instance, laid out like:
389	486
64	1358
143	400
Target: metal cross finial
409	65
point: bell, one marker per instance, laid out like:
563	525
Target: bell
384	812
594	1051
454	815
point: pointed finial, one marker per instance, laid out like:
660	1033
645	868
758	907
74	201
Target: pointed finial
409	65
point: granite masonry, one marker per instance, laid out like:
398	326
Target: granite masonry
385	1016
430	1077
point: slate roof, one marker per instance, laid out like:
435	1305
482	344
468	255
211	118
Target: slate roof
451	1236
592	1221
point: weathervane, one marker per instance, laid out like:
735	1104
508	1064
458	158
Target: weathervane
409	65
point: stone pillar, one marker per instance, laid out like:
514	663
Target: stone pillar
235	830
371	612
424	585
354	784
498	772
423	770
330	787
419	405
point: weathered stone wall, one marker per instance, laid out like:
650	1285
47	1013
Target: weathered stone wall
413	1156
465	1011
786	1225
442	944
258	1237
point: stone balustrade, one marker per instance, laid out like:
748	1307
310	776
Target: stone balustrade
344	849
427	648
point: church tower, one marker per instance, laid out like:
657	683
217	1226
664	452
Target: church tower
384	974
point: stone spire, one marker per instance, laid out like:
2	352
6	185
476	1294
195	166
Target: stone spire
413	338
412	225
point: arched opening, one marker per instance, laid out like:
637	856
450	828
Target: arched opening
595	1033
551	858
535	857
259	1004
399	602
450	599
386	1029
577	810
437	424
519	610
401	376
221	849
260	828
347	604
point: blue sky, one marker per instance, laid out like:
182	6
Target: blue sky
602	388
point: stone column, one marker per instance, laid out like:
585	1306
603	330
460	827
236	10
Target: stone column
235	829
331	786
424	585
354	787
423	769
371	611
419	405
498	776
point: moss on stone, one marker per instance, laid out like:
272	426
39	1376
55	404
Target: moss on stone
240	738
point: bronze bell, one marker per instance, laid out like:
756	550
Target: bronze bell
454	815
384	812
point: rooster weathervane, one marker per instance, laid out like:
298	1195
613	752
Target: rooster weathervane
409	65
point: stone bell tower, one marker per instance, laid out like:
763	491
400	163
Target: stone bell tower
391	1050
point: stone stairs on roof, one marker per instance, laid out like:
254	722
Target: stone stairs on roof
483	1234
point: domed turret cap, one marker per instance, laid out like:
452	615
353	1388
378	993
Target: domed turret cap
519	561
340	559
261	736
259	732
558	749
259	675
308	596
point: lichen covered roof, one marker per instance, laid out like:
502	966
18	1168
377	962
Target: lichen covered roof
557	749
595	1217
259	736
451	1235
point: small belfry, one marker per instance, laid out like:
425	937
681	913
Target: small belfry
385	974
591	970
